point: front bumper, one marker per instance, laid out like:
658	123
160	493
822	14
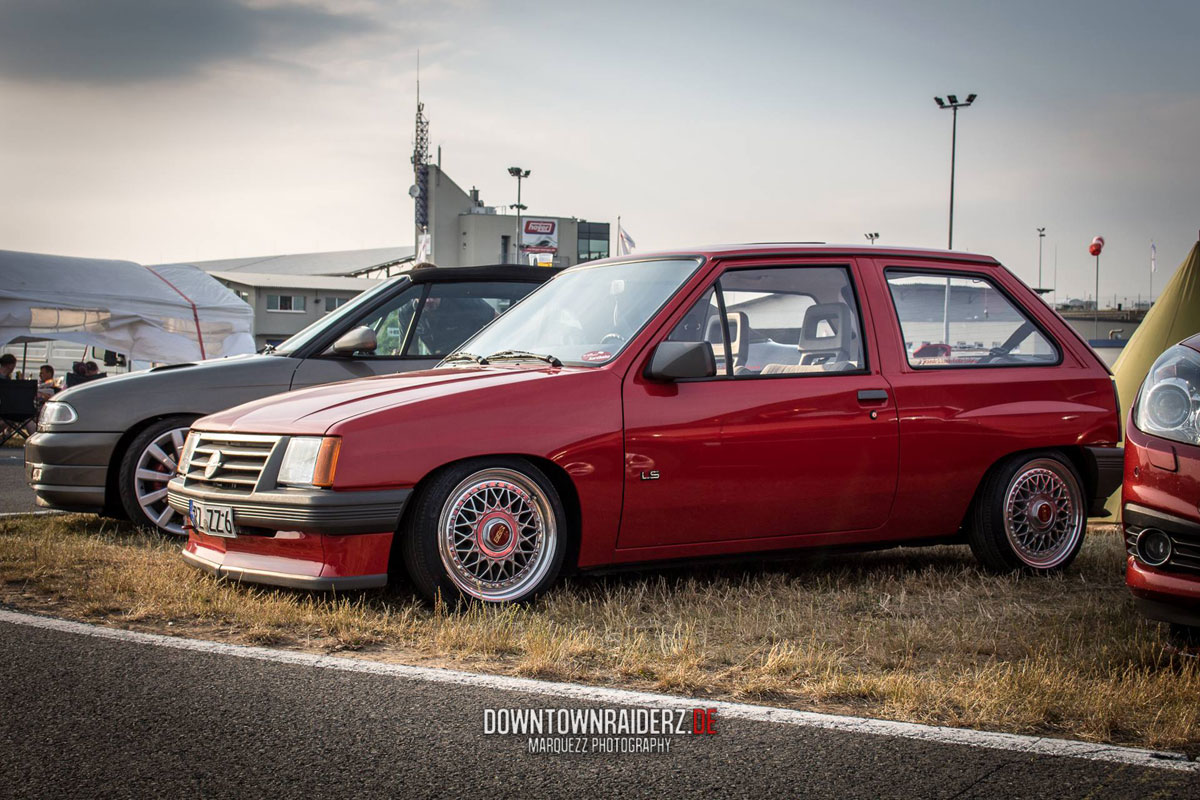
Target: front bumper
69	470
1164	596
305	510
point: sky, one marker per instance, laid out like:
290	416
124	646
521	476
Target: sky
186	130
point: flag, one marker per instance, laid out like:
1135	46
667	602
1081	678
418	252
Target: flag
1153	258
625	242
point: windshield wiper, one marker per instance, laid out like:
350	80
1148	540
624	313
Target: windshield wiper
463	355
522	355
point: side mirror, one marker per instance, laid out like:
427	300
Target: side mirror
357	340
674	361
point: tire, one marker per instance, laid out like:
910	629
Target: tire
1030	515
459	544
143	496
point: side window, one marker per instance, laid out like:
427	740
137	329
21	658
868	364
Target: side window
963	321
454	312
780	321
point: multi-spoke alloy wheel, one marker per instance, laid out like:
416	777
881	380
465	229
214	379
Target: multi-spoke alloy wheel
1030	514
1043	515
497	535
148	464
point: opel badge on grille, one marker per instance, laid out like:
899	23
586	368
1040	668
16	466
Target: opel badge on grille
214	464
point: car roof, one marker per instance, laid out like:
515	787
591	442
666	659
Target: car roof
492	272
756	249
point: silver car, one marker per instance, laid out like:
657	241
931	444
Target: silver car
111	445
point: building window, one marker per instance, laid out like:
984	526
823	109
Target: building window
332	303
593	240
285	302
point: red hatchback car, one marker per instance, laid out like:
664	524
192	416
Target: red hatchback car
690	404
1162	489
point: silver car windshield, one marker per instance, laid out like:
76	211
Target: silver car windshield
586	315
336	317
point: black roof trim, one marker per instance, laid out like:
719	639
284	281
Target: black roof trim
494	272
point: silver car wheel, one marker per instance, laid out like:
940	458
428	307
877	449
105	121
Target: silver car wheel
497	535
1043	514
155	466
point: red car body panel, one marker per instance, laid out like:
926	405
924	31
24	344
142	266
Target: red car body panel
730	449
1162	477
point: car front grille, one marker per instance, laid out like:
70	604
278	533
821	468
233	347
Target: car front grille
240	463
1185	549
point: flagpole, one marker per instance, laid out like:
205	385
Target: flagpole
1153	259
618	234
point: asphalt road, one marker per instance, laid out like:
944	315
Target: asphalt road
84	716
15	494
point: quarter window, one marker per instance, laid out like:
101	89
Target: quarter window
779	321
964	321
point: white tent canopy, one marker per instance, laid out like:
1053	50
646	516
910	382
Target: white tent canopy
164	314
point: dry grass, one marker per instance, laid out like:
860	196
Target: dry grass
916	635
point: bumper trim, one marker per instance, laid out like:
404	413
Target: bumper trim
1106	466
315	511
250	575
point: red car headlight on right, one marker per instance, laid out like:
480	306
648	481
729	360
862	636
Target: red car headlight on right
310	461
1169	401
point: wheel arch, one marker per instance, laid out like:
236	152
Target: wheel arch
556	474
1073	453
112	490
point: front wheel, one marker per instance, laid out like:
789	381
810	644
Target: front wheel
488	529
147	465
1029	515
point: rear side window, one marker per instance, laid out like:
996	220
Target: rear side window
964	321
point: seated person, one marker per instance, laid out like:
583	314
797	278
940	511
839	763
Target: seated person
8	365
47	387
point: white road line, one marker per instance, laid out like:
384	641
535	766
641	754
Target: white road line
1032	745
46	513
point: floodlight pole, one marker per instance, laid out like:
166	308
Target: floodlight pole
519	174
954	105
1041	236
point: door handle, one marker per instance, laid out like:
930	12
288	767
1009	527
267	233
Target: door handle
872	395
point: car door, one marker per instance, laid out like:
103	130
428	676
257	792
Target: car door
797	434
415	329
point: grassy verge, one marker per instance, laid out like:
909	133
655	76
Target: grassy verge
917	635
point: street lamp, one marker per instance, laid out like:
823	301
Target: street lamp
519	174
1094	248
952	102
871	237
1041	236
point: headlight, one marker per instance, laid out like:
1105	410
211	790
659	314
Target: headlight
309	461
56	412
189	450
1168	403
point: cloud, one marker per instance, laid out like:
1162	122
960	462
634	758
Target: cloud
136	41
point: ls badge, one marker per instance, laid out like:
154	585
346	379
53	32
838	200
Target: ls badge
650	475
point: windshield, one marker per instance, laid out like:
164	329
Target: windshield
586	315
334	318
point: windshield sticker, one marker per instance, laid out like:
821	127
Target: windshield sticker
596	355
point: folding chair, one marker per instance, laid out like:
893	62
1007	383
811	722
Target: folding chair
17	408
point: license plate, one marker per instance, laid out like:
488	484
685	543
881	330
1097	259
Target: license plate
212	520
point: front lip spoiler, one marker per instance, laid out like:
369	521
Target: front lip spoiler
284	579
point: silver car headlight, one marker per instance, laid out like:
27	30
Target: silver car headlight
309	461
1168	404
57	412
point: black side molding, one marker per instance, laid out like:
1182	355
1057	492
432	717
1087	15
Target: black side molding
1105	468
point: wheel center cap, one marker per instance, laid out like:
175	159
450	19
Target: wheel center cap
1041	513
496	535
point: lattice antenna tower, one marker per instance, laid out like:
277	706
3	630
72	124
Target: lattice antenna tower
420	161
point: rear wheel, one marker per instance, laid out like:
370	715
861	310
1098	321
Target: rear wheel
1029	515
488	529
149	462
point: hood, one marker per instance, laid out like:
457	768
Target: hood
317	409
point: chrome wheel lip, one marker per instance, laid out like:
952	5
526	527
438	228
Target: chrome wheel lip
1039	542
489	570
151	492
